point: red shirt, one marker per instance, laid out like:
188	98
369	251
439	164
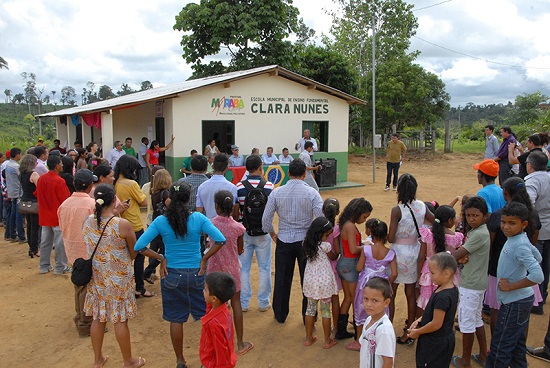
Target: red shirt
51	191
153	156
217	338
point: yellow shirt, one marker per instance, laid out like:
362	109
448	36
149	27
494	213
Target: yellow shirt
395	150
129	189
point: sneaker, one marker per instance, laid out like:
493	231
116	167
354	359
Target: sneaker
539	310
265	309
395	188
14	240
244	309
539	353
44	271
22	241
64	271
387	188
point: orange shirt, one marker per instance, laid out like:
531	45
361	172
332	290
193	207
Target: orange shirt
71	215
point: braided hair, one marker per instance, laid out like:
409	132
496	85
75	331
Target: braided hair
406	188
442	215
177	212
331	208
104	195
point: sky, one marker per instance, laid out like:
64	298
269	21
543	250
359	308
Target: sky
485	51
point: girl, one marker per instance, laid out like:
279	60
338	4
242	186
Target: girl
375	260
406	218
356	212
81	158
319	281
434	330
227	259
331	209
439	239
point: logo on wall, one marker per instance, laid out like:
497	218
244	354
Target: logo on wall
275	174
232	105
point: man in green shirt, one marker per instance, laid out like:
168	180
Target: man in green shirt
128	148
186	168
395	154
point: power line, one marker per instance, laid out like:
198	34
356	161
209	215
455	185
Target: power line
482	59
431	6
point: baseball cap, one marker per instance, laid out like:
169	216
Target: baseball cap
488	167
234	147
83	178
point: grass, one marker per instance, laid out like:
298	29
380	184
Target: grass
457	146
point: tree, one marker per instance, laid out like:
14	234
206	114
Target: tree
53	97
3	63
125	89
67	95
8	94
88	94
30	89
145	85
105	92
252	34
527	108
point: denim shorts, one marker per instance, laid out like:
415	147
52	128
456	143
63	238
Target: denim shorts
347	268
182	293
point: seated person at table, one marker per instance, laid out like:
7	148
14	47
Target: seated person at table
235	159
269	158
210	167
186	168
285	158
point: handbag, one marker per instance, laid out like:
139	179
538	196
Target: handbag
82	268
27	207
414	219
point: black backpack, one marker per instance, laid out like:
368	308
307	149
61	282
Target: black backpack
254	206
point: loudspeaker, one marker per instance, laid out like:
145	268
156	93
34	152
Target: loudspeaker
327	176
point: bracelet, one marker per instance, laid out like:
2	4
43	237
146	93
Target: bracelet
163	258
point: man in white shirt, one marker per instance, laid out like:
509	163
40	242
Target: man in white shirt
144	172
491	142
285	158
236	159
310	168
116	153
300	146
269	158
41	154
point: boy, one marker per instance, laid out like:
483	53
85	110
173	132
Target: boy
378	338
474	255
217	338
518	270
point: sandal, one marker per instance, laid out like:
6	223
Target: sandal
149	280
409	342
144	293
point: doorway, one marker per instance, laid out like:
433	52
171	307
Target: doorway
223	131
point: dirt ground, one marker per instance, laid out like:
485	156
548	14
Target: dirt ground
37	328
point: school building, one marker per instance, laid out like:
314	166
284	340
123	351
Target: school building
261	107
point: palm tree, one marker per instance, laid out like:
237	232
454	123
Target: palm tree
3	63
8	94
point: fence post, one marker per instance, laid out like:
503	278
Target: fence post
447	137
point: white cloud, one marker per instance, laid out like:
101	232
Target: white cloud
468	72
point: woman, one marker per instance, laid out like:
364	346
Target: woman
106	175
153	153
404	233
160	199
81	161
182	271
128	190
211	148
110	295
29	179
68	172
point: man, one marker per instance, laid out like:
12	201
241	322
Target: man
285	158
235	159
186	168
502	155
41	154
2	160
395	153
261	244
487	172
491	142
57	146
206	191
199	163
144	171
534	143
305	156
51	192
296	205
77	144
128	147
40	142
269	158
300	146
537	183
71	214
115	154
14	220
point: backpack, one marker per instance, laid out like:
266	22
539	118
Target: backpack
254	206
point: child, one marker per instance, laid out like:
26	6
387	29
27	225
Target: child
217	340
474	255
439	239
434	330
378	338
462	224
356	212
319	281
375	260
518	270
227	259
331	209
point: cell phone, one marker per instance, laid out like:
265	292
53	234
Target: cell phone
127	201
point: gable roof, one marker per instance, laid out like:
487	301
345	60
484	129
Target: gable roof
173	90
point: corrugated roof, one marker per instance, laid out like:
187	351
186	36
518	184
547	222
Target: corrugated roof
174	89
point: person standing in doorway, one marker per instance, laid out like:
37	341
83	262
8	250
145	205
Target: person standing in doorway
301	145
395	154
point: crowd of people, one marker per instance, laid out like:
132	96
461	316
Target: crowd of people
201	233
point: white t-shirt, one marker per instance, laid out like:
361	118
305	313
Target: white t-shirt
378	340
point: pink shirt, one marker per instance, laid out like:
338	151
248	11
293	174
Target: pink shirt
71	214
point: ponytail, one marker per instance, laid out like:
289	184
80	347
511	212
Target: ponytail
442	216
104	195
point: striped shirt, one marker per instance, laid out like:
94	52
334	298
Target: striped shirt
296	204
242	192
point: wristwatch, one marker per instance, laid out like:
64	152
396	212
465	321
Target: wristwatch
162	257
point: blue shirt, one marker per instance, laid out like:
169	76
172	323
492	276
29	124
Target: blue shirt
491	146
492	194
206	191
181	252
519	259
236	161
268	160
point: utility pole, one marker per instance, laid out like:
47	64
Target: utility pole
373	98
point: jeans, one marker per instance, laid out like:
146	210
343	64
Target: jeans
51	237
504	169
139	264
14	226
158	246
544	248
182	294
286	255
508	343
392	167
262	246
